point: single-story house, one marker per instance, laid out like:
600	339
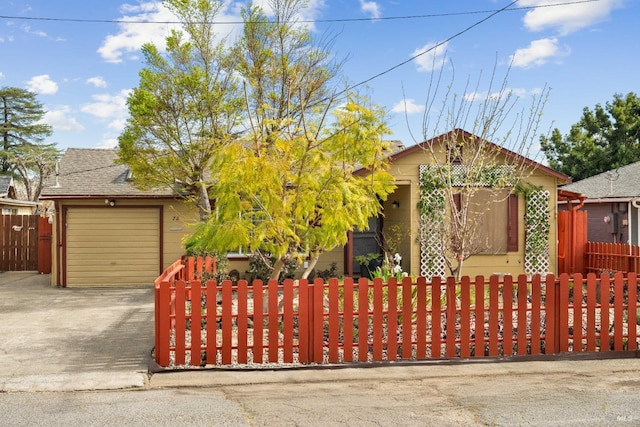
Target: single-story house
9	202
108	232
503	222
105	230
612	204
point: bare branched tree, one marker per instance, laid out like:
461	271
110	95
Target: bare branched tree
481	159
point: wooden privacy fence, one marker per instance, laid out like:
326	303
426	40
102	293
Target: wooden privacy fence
612	257
18	242
207	323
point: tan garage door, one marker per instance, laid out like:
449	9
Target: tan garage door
112	246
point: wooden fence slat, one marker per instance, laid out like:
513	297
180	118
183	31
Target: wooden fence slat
465	317
243	321
258	322
211	345
507	302
377	319
363	319
348	327
407	323
535	314
334	321
451	317
494	311
522	315
618	311
196	322
304	319
436	316
550	343
180	353
392	319
591	311
563	320
479	313
318	316
227	321
289	309
273	317
605	286
632	310
421	316
577	313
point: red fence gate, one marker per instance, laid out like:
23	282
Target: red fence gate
208	323
18	242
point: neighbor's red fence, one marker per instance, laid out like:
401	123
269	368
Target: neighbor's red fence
224	323
612	257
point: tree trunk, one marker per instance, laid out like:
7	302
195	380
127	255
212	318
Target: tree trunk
203	203
312	264
277	268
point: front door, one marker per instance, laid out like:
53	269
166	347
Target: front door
367	242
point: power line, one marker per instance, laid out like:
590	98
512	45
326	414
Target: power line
337	20
459	33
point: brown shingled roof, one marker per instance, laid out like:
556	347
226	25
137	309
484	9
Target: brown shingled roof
93	173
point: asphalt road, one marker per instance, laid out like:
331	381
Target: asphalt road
583	393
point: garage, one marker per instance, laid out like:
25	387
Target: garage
112	246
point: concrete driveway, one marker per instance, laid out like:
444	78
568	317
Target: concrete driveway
72	339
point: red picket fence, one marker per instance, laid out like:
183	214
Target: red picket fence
612	257
224	324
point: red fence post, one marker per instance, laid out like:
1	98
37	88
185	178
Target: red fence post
163	328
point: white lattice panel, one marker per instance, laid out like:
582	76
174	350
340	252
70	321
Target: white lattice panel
432	262
536	256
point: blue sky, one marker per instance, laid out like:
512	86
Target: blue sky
585	52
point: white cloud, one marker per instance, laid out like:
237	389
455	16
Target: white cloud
126	43
567	19
60	120
433	59
131	37
110	108
97	81
538	52
408	106
108	141
42	85
371	7
1	75
27	29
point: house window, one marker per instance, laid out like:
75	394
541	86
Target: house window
496	216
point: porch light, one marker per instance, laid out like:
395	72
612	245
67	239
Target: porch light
395	204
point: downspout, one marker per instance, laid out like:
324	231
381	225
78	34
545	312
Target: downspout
636	204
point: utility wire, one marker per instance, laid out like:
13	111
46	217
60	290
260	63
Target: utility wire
458	34
389	18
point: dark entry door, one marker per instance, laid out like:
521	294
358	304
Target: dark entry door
366	242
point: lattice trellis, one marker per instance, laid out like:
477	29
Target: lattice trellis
432	262
487	176
536	248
